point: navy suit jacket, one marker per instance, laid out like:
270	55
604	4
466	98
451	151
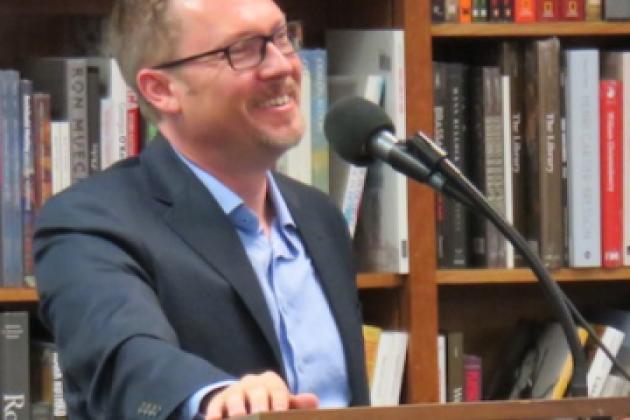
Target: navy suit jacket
150	295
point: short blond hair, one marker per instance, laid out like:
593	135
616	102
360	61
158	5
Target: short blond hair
141	33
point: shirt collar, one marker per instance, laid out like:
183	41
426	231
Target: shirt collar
230	202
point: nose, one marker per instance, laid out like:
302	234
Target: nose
277	64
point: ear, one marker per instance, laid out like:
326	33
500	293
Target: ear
157	88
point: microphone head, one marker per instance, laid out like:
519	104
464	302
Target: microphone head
349	125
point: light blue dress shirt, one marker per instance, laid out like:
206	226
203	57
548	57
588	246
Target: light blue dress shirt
312	352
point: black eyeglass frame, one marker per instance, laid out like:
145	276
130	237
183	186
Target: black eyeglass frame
226	51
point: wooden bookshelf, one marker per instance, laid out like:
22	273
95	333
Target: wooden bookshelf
510	30
380	280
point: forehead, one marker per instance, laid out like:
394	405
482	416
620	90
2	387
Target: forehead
223	19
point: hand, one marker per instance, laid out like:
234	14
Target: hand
255	394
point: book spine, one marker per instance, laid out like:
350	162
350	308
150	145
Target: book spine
593	10
76	96
512	66
548	136
616	10
437	11
14	358
611	153
572	10
94	119
465	11
495	10
472	378
41	128
455	366
582	114
451	8
440	93
626	155
479	11
441	352
133	124
548	10
508	10
524	11
317	63
28	180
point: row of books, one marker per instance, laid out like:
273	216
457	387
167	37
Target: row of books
536	361
540	131
61	120
31	381
460	374
528	11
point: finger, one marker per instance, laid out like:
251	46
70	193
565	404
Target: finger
235	403
257	399
303	401
279	400
214	409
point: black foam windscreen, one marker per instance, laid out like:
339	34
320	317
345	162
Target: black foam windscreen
349	125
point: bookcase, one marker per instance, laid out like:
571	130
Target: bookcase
483	303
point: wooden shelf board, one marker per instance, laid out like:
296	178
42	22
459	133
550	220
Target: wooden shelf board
17	295
379	280
482	30
521	275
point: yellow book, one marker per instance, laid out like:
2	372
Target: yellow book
560	388
371	336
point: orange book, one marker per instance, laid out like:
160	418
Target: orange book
465	11
524	11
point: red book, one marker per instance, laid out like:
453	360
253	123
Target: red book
494	10
133	124
524	11
611	152
472	378
572	10
548	10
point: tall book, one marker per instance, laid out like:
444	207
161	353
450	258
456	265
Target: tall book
389	368
11	237
583	160
572	10
454	366
65	79
381	239
616	65
28	179
611	153
316	60
600	365
347	181
511	61
524	11
543	145
450	115
42	159
547	10
14	365
488	165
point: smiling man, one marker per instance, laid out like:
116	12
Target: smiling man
193	281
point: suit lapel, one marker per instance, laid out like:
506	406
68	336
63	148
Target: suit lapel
195	216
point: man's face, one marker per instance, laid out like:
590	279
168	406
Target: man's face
237	112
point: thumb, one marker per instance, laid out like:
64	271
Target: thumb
303	401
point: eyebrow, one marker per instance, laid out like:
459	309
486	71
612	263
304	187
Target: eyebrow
248	34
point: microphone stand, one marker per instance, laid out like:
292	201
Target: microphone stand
435	158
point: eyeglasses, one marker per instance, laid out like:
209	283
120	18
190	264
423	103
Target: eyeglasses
245	53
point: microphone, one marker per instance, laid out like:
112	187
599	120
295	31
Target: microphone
360	131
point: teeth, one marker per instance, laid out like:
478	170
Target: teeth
278	101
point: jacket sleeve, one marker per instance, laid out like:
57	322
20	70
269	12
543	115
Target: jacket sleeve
119	354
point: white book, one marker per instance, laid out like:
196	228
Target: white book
599	368
615	386
61	170
381	242
441	352
347	180
508	189
297	161
583	157
389	368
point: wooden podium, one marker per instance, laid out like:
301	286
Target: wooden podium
613	408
